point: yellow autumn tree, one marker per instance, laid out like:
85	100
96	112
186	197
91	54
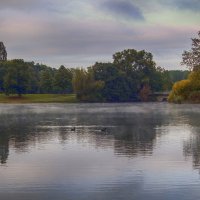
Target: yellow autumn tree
187	90
180	91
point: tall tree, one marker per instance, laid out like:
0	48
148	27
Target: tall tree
16	79
131	60
63	80
85	86
117	85
46	80
192	58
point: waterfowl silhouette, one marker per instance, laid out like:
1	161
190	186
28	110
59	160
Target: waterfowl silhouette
103	129
73	129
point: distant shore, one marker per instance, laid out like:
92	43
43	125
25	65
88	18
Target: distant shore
57	98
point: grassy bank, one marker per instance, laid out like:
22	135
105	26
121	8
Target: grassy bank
39	98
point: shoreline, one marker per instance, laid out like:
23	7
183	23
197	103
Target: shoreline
38	98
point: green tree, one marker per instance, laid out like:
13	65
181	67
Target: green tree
131	60
178	75
117	85
140	70
46	80
17	76
85	86
2	74
63	80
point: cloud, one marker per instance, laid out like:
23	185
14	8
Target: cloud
81	43
78	34
193	5
21	4
189	4
124	8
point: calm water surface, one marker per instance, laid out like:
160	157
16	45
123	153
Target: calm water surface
116	152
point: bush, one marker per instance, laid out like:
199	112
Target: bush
186	90
175	98
182	89
194	96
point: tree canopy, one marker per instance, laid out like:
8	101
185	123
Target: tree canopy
17	77
191	58
20	77
187	90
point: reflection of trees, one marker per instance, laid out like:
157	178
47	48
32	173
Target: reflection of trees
135	134
21	132
135	139
4	148
128	134
191	147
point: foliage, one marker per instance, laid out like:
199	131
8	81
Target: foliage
132	60
117	86
85	86
194	77
126	76
181	89
17	77
187	90
192	58
194	96
177	75
20	77
46	80
132	76
145	92
62	82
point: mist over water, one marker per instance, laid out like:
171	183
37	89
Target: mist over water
99	151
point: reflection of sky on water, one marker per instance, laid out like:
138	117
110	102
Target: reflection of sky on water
147	151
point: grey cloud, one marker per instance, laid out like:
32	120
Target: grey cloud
193	5
26	5
18	4
123	8
76	43
189	4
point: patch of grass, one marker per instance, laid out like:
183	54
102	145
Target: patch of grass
39	98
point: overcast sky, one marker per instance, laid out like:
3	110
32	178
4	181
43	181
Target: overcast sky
77	33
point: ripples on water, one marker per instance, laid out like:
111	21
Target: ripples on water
99	151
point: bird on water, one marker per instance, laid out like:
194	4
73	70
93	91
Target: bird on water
73	129
104	129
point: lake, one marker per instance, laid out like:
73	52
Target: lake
123	151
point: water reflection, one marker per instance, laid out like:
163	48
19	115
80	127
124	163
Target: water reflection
126	132
192	145
116	151
130	130
4	148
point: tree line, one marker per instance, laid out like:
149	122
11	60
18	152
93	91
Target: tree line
132	76
20	77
